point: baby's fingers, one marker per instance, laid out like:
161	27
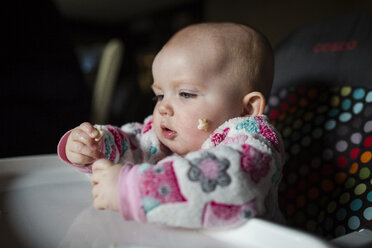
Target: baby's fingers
99	204
79	135
94	179
79	159
101	164
89	129
83	153
99	201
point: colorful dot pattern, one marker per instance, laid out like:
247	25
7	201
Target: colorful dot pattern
327	179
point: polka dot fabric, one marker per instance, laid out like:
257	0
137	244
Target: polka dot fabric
327	132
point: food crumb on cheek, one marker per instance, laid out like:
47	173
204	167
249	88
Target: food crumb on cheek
203	124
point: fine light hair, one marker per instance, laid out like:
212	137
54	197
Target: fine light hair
248	54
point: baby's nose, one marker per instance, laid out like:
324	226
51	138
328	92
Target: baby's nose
165	108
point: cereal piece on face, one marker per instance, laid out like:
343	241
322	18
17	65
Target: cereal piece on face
203	124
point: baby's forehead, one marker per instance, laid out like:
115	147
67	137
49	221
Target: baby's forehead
200	37
221	40
197	48
216	33
200	47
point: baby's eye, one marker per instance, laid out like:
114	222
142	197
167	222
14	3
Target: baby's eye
158	98
187	95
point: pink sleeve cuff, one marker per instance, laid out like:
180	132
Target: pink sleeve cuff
61	150
129	194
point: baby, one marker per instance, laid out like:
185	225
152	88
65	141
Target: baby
207	157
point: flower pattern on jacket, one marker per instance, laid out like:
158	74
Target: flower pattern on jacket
159	185
255	162
268	132
121	141
147	127
109	148
217	138
217	214
250	125
209	171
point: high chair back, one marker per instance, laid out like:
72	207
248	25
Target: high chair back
322	104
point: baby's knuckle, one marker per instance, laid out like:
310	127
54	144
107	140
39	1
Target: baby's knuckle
86	126
75	134
77	147
76	130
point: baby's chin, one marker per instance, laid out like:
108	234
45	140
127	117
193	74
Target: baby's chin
180	147
183	151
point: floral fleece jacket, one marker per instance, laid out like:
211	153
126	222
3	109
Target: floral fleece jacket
234	176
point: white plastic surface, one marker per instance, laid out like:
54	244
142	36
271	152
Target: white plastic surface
44	203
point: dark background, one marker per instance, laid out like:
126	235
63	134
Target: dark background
52	51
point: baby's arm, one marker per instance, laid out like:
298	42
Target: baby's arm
133	143
218	187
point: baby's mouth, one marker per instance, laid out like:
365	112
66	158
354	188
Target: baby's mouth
168	133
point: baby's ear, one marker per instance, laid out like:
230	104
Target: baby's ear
254	104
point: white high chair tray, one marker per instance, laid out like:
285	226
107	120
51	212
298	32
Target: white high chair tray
44	203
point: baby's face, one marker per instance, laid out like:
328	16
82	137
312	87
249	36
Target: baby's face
191	85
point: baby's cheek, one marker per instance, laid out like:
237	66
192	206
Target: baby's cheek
195	136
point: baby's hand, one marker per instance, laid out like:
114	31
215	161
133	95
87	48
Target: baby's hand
105	180
82	145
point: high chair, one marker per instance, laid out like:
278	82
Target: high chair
322	105
106	79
